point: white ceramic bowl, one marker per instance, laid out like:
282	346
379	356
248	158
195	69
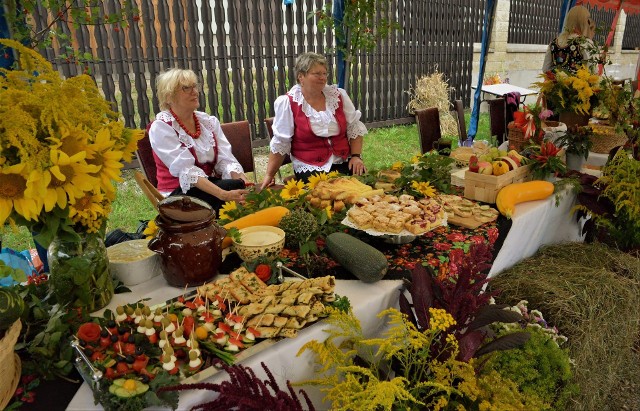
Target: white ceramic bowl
260	240
132	262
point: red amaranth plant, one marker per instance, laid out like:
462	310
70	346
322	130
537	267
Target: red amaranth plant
244	391
463	297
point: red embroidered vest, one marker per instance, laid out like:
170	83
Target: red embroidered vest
314	150
167	182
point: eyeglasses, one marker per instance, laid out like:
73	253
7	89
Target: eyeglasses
188	89
319	74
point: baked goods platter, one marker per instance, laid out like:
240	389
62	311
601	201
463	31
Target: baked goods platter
397	219
229	319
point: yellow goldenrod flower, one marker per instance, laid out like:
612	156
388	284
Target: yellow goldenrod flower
293	189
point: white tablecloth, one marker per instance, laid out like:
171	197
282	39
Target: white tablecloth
367	301
537	223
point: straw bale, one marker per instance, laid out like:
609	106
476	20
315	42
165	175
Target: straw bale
434	91
592	294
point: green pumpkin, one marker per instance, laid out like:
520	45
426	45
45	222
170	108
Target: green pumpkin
11	307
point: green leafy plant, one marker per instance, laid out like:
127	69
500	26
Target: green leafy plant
430	167
359	29
577	140
88	13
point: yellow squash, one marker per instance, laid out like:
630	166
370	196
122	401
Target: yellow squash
517	193
268	216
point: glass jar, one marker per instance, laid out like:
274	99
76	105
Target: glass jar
79	272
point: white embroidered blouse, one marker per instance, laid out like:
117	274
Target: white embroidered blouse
171	144
323	123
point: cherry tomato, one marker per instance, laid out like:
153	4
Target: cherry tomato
110	373
105	342
138	365
187	325
122	368
129	349
153	338
97	356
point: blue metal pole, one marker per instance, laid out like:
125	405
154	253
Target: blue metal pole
566	6
341	40
486	32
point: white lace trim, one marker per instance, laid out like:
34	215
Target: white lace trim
189	177
202	144
281	147
233	167
332	101
356	129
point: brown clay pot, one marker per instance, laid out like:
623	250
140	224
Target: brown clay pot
188	242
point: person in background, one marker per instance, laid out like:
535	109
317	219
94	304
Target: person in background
192	154
317	124
573	47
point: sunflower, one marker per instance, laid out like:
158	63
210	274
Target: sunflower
292	190
151	230
19	192
90	210
424	188
103	154
397	166
315	178
228	206
329	212
69	178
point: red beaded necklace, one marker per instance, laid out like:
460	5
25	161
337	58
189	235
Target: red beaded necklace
186	130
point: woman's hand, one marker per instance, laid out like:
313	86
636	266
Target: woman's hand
234	195
268	181
357	167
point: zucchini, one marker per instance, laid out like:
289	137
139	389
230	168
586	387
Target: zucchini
357	257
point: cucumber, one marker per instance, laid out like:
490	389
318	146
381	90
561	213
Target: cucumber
357	257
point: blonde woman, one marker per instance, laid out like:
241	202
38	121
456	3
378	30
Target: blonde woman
317	124
191	152
572	48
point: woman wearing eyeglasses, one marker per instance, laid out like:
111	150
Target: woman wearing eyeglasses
191	152
316	124
574	46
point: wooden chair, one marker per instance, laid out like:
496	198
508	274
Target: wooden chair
239	135
144	153
497	119
458	108
428	128
287	159
148	189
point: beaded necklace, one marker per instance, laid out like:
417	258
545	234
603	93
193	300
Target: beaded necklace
186	130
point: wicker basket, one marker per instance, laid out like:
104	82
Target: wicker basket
10	366
605	138
516	137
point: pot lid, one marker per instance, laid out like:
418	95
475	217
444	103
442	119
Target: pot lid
185	209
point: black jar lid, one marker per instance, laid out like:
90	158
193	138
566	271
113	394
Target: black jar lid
185	209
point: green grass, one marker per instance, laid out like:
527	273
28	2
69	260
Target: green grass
382	147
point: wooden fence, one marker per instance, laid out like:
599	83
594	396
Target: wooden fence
243	52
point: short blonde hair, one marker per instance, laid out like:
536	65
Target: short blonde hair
169	82
305	61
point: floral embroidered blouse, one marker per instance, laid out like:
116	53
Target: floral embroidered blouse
323	123
171	144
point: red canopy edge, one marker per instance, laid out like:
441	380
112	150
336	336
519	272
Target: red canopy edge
629	6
